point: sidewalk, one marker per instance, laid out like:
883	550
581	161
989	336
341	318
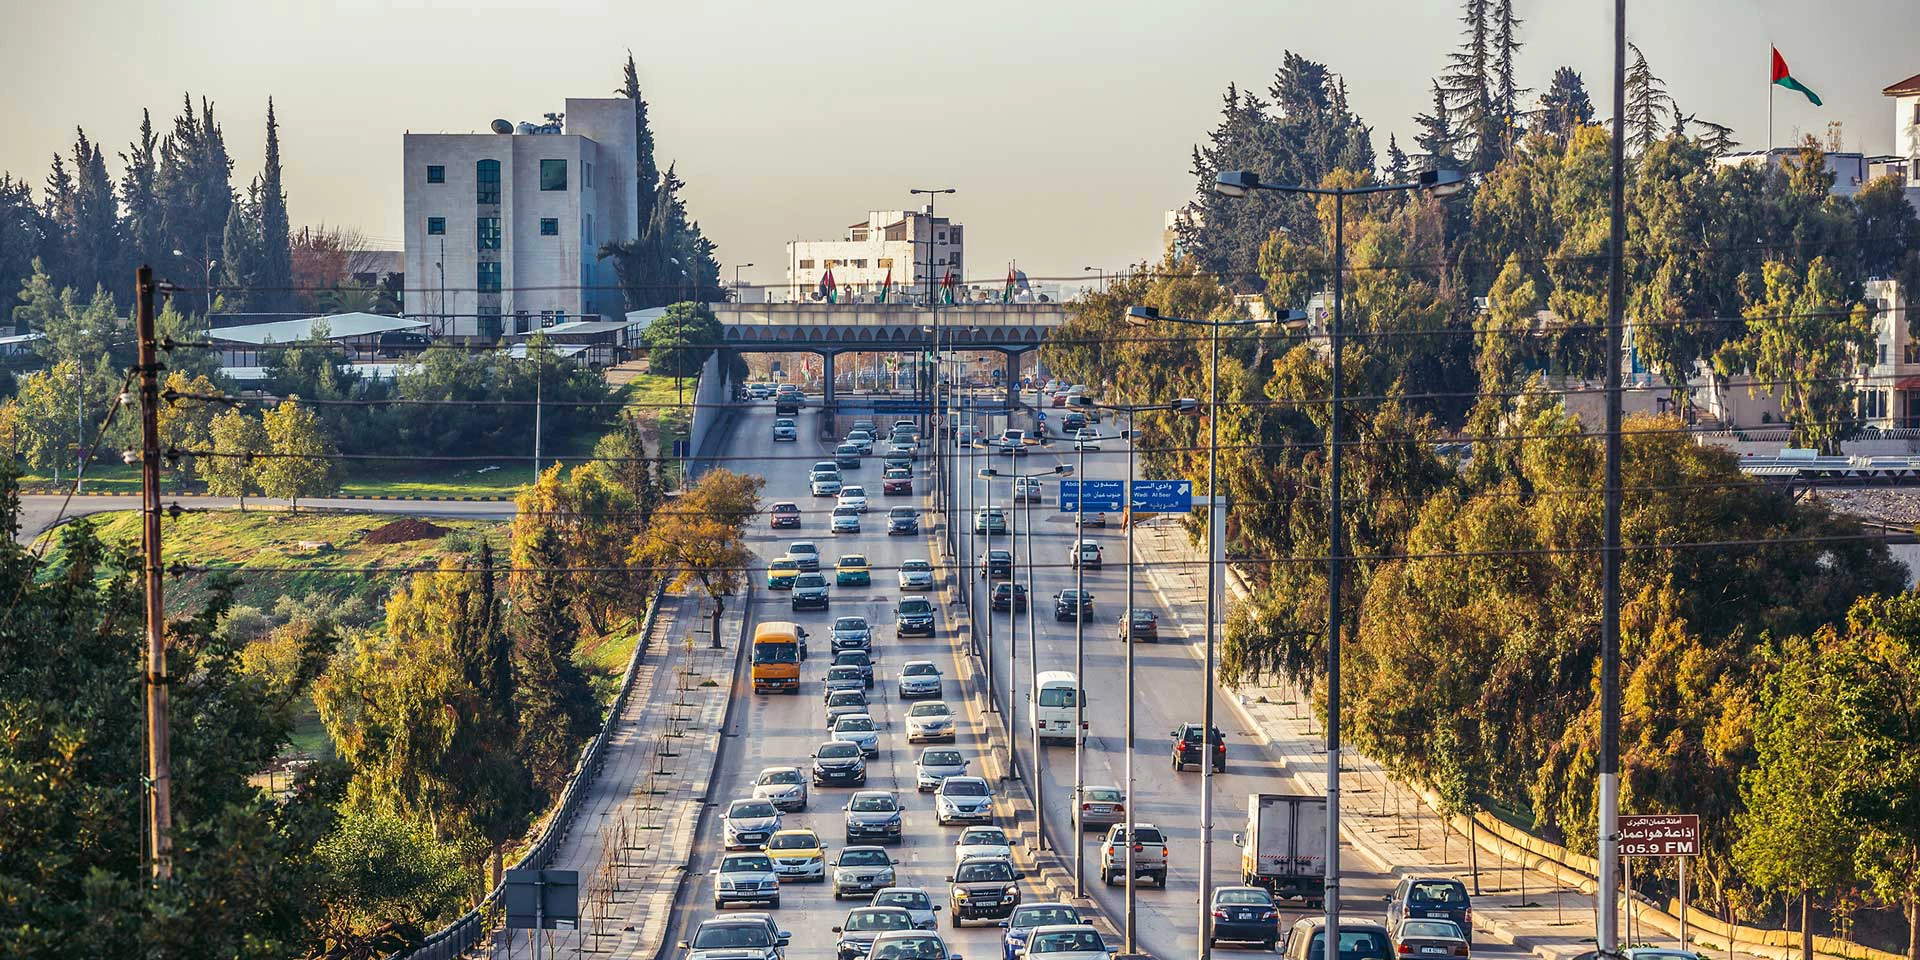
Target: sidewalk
1386	821
635	830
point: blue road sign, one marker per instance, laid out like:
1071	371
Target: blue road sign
1101	495
1163	496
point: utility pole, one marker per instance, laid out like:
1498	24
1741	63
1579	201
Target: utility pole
159	752
1608	881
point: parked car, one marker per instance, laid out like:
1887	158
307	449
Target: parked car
1071	604
810	592
783	515
1140	624
1431	898
1149	854
935	765
1007	593
1244	915
1186	748
916	575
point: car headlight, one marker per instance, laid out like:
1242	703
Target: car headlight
893	821
959	894
726	884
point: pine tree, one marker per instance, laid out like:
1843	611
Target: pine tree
1507	93
56	210
1716	138
1470	86
1565	106
646	171
273	277
1647	102
240	253
1437	138
22	236
192	185
1398	170
93	228
141	226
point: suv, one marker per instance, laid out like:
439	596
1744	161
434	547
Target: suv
915	617
1431	898
989	520
1358	940
1072	604
1186	748
1084	554
1149	854
997	564
983	888
1140	624
903	520
810	592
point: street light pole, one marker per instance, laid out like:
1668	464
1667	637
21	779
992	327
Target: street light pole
736	280
942	476
1079	673
1128	941
1033	689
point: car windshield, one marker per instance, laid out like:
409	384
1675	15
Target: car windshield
916	566
1102	794
853	658
916	606
838	750
855	561
746	863
878	920
1056	697
1063	941
844	673
846	511
983	837
1143	834
855	857
921	670
786	508
847	698
1044	916
776	653
853	491
1438	894
935	709
850	624
910	899
751	809
964	788
983	871
1437	928
792	841
772	777
853	725
910	948
802	549
718	936
999	555
784	565
1244	897
941	758
874	804
1354	945
810	580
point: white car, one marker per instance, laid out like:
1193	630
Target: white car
745	878
1066	942
785	787
748	824
916	575
931	720
919	678
858	729
982	842
935	765
855	497
963	800
846	519
826	487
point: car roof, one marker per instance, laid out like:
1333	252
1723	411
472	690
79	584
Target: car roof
872	793
855	716
979	780
864	848
911	663
1064	928
1238	886
1345	924
766	770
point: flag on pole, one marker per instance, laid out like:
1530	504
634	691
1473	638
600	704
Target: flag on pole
886	286
1006	296
946	287
827	290
1783	77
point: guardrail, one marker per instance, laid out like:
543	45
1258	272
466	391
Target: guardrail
463	934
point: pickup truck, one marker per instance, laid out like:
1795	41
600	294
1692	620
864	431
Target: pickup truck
1149	854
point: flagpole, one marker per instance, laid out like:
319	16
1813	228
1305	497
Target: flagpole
1766	152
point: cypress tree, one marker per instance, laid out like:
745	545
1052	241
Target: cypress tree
140	225
1398	170
57	212
274	275
1565	106
93	232
646	170
240	253
1506	93
192	184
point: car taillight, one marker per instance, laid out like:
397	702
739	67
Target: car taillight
1460	951
1219	914
1269	915
1138	848
1403	948
1220	748
1085	807
1119	808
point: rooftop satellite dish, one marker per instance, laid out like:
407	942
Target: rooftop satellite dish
502	126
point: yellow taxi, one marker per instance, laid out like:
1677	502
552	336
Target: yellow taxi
797	855
781	574
851	570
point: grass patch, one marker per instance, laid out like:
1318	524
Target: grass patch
651	391
102	477
309	734
503	479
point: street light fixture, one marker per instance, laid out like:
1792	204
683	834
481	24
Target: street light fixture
206	283
1241	183
736	279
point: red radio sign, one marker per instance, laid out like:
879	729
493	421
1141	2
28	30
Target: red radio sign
1660	835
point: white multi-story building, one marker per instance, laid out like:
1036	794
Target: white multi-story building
502	228
1906	123
916	246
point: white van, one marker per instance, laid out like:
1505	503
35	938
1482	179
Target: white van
1051	710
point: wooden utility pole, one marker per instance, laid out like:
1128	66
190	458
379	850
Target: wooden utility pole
159	752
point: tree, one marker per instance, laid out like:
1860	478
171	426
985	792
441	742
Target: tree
679	341
646	170
50	418
141	223
1647	103
557	709
323	259
86	214
1398	170
583	509
1437	137
23	233
388	882
1471	87
701	537
187	424
240	252
1506	91
302	464
1802	341
238	439
193	186
274	276
1876	668
1565	106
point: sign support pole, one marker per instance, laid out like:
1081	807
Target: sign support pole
1683	902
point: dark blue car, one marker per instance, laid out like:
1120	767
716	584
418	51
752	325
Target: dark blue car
1014	943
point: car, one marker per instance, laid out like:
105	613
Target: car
996	564
1101	807
1089	518
846	520
745	878
810	592
903	445
1064	942
1244	915
917	902
805	553
982	842
963	800
1306	940
1431	898
845	678
783	515
782	572
865	423
863	924
852	633
851	571
839	763
896	480
855	497
1141	625
748	823
916	575
760	391
1027	489
1086	438
843	703
1072	604
1007	593
910	945
1186	748
931	720
914	616
906	424
786	787
1084	554
857	658
735	938
897	461
1149	854
860	730
784	430
919	678
1073	422
798	854
873	814
862	438
1416	937
1011	441
982	889
847	456
825	486
862	870
1029	916
935	765
989	520
903	521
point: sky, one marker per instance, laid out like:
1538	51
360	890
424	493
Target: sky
1065	126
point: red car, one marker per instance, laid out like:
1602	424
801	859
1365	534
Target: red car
897	481
784	514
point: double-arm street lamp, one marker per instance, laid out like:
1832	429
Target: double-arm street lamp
206	282
1013	609
942	475
1241	183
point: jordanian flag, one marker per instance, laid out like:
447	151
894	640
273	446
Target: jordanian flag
946	286
1783	77
1006	296
886	286
827	290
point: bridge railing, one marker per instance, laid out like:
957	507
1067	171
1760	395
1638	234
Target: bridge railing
984	315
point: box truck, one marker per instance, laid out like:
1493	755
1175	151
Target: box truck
1284	848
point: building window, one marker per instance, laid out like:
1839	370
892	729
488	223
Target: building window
486	181
885	263
1883	353
436	173
488	279
553	174
860	264
941	236
549	226
956	264
586	174
953	234
436	226
489	233
806	264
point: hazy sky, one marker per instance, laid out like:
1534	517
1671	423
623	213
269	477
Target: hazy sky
1065	125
